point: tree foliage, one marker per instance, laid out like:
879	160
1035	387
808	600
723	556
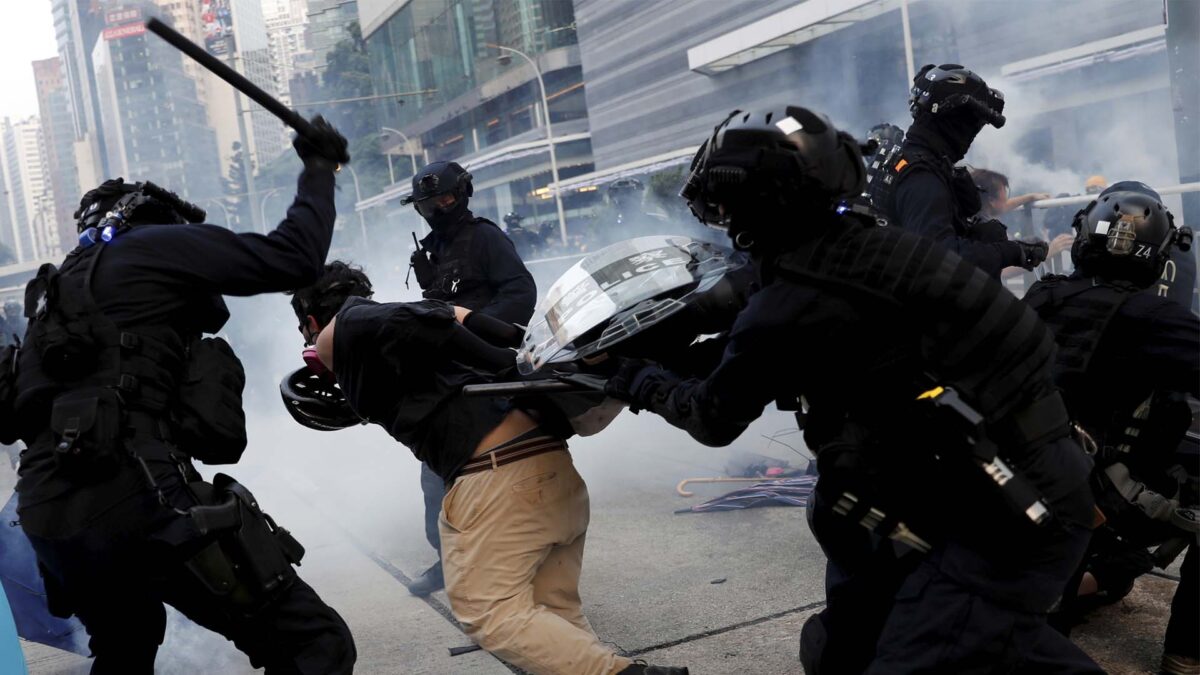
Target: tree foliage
347	75
664	189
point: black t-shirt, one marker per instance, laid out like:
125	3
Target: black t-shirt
389	363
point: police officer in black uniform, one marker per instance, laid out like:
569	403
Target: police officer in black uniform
524	241
116	393
946	440
1124	359
467	261
920	189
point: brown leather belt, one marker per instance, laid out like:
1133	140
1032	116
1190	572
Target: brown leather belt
507	454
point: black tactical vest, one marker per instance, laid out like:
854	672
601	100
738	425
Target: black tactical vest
882	182
976	335
83	383
457	277
1078	311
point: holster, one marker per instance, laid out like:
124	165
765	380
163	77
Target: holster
249	558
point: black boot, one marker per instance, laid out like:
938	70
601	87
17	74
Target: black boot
640	667
431	580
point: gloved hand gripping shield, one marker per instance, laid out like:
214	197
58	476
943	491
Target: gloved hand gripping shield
619	292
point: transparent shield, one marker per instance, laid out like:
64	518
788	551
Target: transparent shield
618	292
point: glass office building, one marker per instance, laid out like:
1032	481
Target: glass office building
454	95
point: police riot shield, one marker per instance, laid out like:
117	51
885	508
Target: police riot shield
618	292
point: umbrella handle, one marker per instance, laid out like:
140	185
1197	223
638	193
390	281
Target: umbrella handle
724	479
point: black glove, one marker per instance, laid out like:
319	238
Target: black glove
988	230
1033	253
621	372
325	148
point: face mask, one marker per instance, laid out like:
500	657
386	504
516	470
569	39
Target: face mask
315	366
441	216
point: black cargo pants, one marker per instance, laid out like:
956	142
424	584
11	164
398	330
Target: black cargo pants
116	577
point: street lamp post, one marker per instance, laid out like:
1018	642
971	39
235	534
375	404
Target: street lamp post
262	208
228	224
411	157
358	198
562	221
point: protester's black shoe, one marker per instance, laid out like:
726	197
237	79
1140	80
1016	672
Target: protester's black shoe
432	580
640	667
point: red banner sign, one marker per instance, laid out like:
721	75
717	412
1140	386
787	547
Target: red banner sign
121	32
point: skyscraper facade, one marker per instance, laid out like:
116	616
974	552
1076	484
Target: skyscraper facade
58	132
154	125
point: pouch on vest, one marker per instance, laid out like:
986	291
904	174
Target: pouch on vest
8	395
65	344
87	428
209	423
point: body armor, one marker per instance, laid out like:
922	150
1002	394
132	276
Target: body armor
83	383
455	276
884	179
988	345
1129	434
984	389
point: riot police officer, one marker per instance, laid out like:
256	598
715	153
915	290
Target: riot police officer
1124	358
467	261
115	395
920	189
946	440
524	241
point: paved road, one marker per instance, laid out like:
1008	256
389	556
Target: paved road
353	499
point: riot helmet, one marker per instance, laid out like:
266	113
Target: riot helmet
951	89
316	401
760	172
441	192
953	104
512	220
115	204
1126	233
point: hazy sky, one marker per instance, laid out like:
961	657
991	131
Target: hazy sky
26	35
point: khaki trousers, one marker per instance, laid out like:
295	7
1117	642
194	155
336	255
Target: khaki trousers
512	550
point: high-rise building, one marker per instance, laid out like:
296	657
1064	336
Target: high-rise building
77	24
154	125
58	131
32	229
253	59
286	22
328	24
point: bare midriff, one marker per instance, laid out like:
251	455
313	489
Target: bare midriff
515	423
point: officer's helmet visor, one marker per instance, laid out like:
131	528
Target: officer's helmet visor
431	206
